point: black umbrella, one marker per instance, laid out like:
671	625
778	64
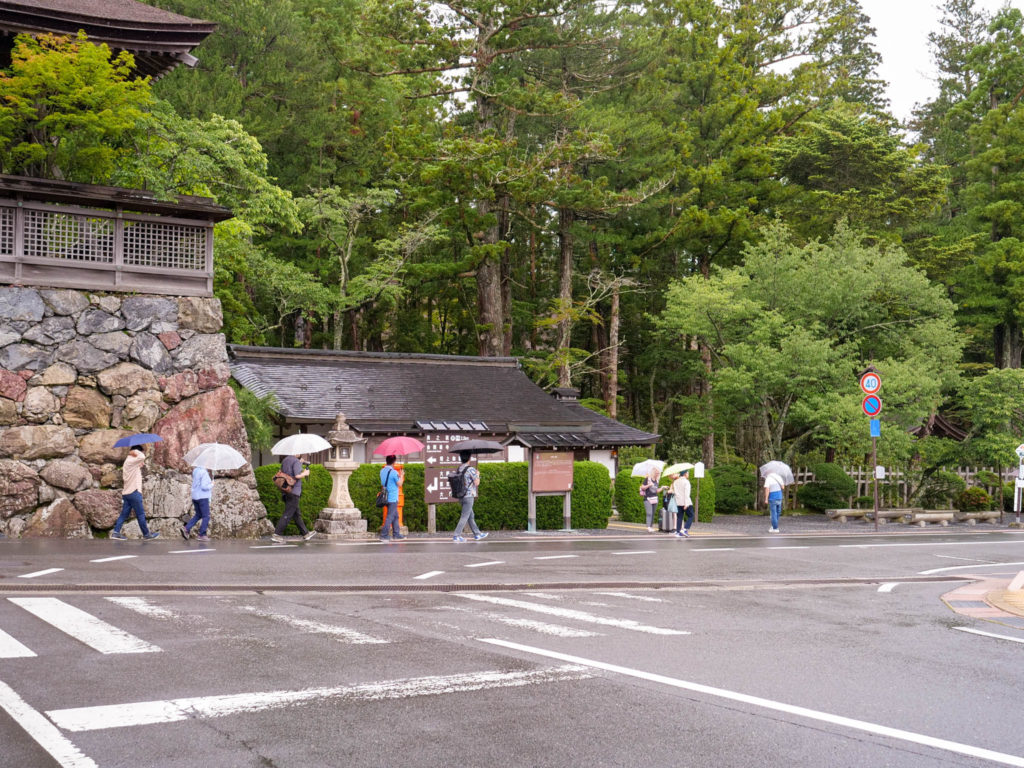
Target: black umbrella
476	446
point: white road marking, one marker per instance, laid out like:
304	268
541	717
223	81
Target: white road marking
342	634
112	559
177	710
274	546
47	572
774	548
42	730
989	634
84	627
537	626
428	575
636	552
555	557
631	597
889	586
544	595
12	649
963	567
777	706
569	613
189	551
713	549
143	606
935	544
481	565
965	559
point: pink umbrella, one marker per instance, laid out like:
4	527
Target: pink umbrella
399	446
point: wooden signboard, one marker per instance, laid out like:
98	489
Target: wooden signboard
552	471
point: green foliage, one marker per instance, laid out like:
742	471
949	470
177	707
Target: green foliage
316	490
940	489
257	415
973	500
706	510
831	488
734	488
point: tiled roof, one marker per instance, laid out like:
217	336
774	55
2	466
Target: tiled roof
385	392
110	10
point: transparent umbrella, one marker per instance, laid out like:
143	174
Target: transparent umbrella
215	456
296	445
780	468
644	467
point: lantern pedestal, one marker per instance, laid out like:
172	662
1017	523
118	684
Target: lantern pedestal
340	519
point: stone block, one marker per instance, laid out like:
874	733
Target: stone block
21	488
125	379
86	408
21	304
68	475
47	441
65	302
58	520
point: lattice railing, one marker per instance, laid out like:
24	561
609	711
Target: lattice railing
106	249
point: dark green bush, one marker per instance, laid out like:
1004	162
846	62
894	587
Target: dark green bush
831	488
316	489
973	500
502	503
864	502
734	488
940	488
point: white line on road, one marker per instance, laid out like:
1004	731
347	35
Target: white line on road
95	633
537	626
777	706
889	586
963	567
428	575
47	572
176	710
965	559
636	552
188	551
343	634
275	546
12	649
989	634
143	606
713	549
569	613
631	597
934	544
774	548
112	559
481	565
45	734
555	557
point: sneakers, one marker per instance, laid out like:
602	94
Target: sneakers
480	536
277	539
202	537
679	535
185	534
686	534
385	538
152	535
457	538
773	530
117	535
309	535
398	538
650	529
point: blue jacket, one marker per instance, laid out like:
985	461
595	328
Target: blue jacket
202	485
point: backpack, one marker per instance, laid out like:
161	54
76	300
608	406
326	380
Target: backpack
457	483
284	482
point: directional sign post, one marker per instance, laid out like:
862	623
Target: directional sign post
870	383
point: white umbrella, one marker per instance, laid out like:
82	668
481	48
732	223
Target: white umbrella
296	445
215	456
780	468
641	469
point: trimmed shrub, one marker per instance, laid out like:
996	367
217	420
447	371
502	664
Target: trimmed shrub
973	500
830	490
316	489
706	510
502	503
734	488
864	502
940	489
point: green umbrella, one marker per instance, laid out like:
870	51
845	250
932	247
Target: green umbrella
677	469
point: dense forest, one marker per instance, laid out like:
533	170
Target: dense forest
699	212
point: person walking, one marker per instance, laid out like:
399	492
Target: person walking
680	490
391	480
202	490
131	495
294	466
649	491
471	484
773	486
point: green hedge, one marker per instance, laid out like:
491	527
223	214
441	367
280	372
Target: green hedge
735	487
831	488
501	505
630	504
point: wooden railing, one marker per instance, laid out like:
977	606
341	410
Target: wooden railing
67	246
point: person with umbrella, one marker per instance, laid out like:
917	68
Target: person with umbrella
679	474
773	487
391	481
131	487
649	491
202	490
207	458
471	484
296	467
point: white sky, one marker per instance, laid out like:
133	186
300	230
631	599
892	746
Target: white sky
903	27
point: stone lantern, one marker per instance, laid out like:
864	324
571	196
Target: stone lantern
340	519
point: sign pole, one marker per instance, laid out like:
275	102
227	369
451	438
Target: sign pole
874	464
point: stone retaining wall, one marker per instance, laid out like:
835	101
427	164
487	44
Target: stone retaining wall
77	372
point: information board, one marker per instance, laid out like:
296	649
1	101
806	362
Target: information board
552	471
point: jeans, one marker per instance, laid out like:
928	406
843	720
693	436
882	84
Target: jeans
467	516
291	510
202	507
390	527
775	508
684	514
132	502
650	505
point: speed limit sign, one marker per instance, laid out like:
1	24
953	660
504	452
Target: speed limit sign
870	382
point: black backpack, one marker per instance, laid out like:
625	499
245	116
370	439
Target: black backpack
457	483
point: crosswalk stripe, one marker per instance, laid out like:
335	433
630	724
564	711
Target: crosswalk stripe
569	613
143	606
12	649
47	572
344	634
176	710
96	633
42	731
112	559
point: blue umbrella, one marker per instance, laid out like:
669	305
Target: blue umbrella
140	439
